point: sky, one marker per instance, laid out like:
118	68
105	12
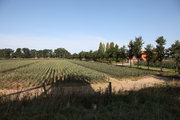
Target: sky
78	25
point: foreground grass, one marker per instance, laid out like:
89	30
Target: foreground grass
160	102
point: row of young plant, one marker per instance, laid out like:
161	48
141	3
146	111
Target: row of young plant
50	71
6	65
66	72
26	76
165	64
113	70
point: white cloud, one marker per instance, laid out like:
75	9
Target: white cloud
71	43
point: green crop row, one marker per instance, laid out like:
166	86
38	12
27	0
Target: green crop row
7	65
48	71
165	64
113	70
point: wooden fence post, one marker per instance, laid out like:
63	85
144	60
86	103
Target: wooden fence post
110	88
45	89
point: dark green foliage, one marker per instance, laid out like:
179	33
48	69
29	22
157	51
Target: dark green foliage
137	48
149	53
18	53
26	53
123	53
6	53
130	53
61	53
160	49
175	52
33	53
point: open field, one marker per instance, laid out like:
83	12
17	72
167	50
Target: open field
32	74
136	93
114	71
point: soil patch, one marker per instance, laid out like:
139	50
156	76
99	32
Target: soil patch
122	85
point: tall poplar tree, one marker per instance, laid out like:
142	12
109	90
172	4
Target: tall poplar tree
149	53
175	53
122	52
137	48
116	53
131	51
160	49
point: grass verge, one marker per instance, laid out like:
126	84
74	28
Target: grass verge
160	102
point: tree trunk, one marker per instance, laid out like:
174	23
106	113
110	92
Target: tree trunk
161	66
122	62
148	65
130	62
138	62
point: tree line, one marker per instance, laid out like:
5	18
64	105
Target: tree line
27	53
108	52
111	52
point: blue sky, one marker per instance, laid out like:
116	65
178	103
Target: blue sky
78	25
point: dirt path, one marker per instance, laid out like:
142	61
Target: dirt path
128	84
136	85
117	85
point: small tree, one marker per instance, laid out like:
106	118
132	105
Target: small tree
149	53
137	48
160	49
122	52
175	52
131	50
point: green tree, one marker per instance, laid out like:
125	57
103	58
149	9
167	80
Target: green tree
107	46
7	52
122	52
101	51
116	53
26	53
46	53
61	53
18	53
175	52
50	53
33	53
130	53
1	53
90	54
160	49
110	51
149	53
74	56
81	55
95	55
137	48
39	53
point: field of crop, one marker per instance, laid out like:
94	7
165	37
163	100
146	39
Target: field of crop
165	64
29	73
116	71
155	102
